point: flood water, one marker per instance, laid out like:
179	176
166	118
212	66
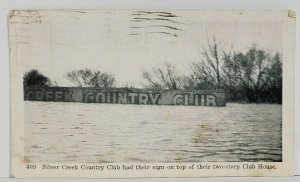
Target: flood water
82	132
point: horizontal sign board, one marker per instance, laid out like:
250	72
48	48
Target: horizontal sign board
126	96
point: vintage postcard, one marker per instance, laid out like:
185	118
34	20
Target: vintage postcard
151	93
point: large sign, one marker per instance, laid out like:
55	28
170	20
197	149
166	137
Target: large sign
126	96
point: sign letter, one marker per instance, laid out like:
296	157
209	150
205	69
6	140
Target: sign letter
143	99
177	98
210	100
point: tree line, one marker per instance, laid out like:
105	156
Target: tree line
253	76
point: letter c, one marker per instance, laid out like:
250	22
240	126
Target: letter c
177	98
89	97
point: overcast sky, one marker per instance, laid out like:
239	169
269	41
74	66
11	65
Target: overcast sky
125	42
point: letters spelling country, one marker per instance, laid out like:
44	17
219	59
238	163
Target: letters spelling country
148	98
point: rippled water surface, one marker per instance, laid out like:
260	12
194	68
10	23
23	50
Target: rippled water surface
79	132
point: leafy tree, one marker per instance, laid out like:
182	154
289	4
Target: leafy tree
273	79
255	75
91	78
35	78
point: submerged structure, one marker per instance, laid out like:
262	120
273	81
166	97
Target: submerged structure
126	96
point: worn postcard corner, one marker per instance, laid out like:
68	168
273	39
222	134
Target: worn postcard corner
151	93
292	14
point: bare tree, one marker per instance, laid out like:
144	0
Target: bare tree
252	76
162	78
90	78
207	72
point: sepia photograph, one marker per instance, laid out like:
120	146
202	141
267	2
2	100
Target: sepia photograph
150	86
